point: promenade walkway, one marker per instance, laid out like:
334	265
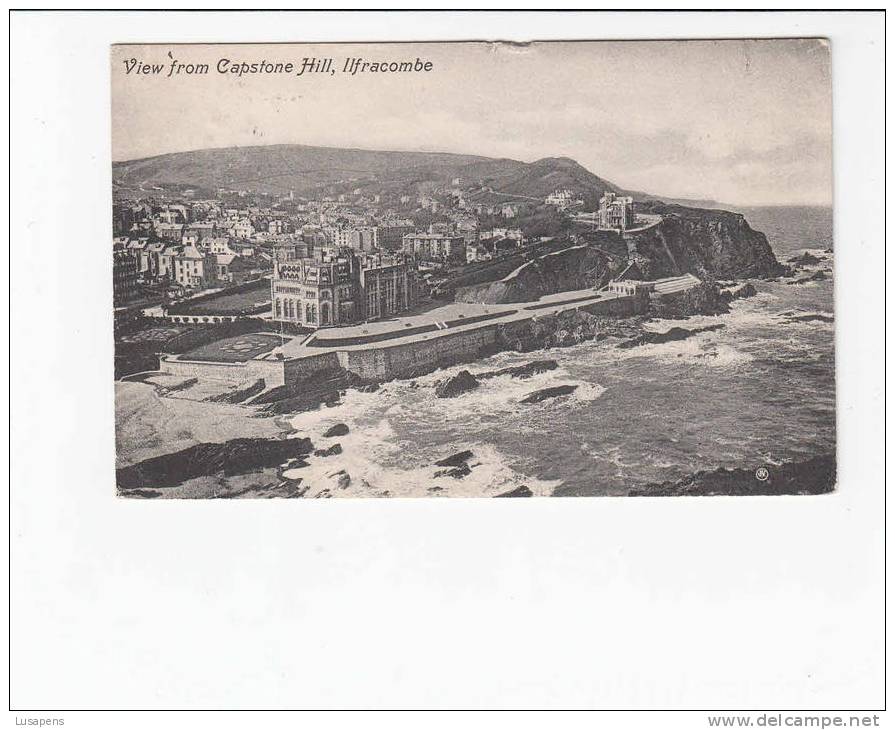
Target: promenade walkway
459	317
451	318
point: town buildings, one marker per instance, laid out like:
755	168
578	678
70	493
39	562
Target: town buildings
387	283
292	248
202	230
341	286
234	269
166	261
194	269
343	257
124	277
514	233
443	247
169	231
490	248
561	199
477	252
241	228
278	226
391	234
360	238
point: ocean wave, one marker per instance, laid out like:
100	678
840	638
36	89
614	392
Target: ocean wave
752	312
702	349
373	463
812	318
497	395
820	253
353	404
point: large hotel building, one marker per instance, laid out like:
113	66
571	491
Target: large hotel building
435	246
341	286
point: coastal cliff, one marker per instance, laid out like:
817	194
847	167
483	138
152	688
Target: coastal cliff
712	244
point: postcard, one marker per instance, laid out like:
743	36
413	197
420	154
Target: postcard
473	269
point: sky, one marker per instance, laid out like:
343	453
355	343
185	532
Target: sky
746	122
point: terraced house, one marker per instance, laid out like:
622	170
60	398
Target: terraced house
341	286
435	246
194	269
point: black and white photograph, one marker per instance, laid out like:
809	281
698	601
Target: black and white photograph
432	364
461	270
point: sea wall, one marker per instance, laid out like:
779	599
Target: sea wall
303	367
383	363
430	352
427	352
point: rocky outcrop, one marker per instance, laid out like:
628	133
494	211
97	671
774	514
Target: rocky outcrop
457	466
333	450
458	384
341	478
239	395
805	259
814	476
808	317
300	463
308	394
461	457
561	330
141	493
456	472
522	491
547	393
816	276
238	456
706	298
743	291
340	429
522	372
675	334
713	244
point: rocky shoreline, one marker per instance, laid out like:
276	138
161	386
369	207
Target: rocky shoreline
273	467
813	476
262	467
237	456
563	329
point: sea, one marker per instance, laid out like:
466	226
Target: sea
760	391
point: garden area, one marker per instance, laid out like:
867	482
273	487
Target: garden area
250	298
235	349
138	350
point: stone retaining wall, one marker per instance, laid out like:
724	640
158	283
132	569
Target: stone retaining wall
229	372
303	367
385	361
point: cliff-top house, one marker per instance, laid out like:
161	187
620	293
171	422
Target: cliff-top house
616	211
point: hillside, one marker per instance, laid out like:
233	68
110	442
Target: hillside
540	178
280	168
